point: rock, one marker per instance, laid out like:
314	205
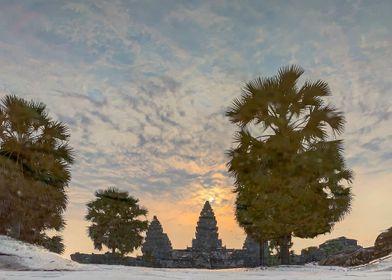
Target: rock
339	245
382	247
383	244
361	256
336	260
311	254
358	257
330	251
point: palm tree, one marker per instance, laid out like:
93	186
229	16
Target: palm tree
34	149
288	166
115	221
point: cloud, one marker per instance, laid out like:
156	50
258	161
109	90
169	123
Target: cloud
144	87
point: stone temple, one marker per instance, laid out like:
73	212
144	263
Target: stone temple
207	250
207	238
156	245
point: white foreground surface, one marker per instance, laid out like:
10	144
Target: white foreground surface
34	260
15	254
118	272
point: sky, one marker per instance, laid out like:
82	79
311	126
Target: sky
144	85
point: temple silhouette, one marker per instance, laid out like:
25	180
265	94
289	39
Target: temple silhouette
207	250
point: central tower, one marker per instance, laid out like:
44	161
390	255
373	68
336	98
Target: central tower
206	231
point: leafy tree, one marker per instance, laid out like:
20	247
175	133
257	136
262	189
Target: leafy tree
115	221
35	160
288	165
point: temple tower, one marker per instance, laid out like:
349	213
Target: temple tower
157	244
206	231
253	251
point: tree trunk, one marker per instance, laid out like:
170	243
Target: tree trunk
263	258
113	250
261	252
15	229
284	244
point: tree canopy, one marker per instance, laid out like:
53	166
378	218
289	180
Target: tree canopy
288	166
35	160
115	218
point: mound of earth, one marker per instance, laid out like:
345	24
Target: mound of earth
17	255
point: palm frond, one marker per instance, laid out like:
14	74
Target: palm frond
288	76
312	91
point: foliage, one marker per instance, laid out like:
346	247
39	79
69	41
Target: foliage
114	215
35	161
288	166
54	244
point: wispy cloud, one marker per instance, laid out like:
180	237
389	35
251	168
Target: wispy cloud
144	86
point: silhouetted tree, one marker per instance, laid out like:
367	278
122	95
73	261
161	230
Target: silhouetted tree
288	166
54	244
35	161
115	221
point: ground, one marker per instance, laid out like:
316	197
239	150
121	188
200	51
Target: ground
20	261
118	272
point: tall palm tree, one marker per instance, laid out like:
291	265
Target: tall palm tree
35	150
288	166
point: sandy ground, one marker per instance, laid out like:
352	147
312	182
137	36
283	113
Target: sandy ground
23	261
101	272
10	263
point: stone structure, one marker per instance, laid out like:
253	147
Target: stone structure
207	250
252	252
358	257
107	258
206	231
383	244
346	252
311	254
157	244
341	245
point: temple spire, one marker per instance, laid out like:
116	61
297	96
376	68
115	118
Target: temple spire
157	243
206	231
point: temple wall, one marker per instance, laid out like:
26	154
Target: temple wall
227	258
219	259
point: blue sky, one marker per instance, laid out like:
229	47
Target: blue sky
143	86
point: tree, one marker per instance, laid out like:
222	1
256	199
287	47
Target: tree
54	244
114	215
288	165
35	160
